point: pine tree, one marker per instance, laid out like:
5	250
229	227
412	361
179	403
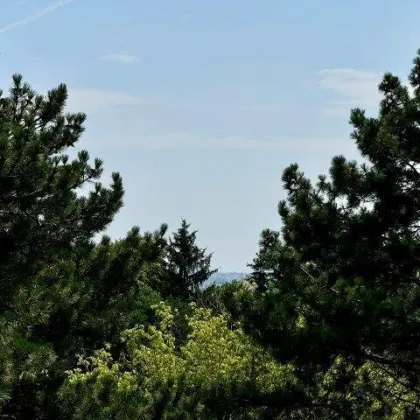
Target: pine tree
44	218
347	267
188	266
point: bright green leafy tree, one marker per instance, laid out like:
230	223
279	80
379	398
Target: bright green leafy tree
217	373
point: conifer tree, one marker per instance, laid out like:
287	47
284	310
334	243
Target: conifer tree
346	281
188	266
266	259
44	218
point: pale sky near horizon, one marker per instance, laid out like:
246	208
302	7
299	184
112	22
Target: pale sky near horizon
200	105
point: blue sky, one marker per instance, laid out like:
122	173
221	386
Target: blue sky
200	105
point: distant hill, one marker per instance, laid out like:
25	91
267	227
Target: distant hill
221	278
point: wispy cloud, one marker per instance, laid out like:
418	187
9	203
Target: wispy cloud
92	101
265	108
172	141
355	87
120	58
278	143
39	14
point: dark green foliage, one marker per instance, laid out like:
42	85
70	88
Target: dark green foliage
349	258
188	266
61	293
41	214
335	296
42	218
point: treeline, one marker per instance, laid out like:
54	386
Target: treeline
327	326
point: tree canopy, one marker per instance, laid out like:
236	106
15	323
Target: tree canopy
188	266
346	266
326	325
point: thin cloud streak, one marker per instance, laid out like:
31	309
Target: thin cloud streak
179	141
358	88
45	11
120	58
266	108
92	101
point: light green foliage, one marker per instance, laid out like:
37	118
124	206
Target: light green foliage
215	355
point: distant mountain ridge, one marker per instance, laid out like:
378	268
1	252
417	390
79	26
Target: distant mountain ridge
221	278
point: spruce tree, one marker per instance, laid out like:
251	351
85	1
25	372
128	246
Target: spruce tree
188	266
263	265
